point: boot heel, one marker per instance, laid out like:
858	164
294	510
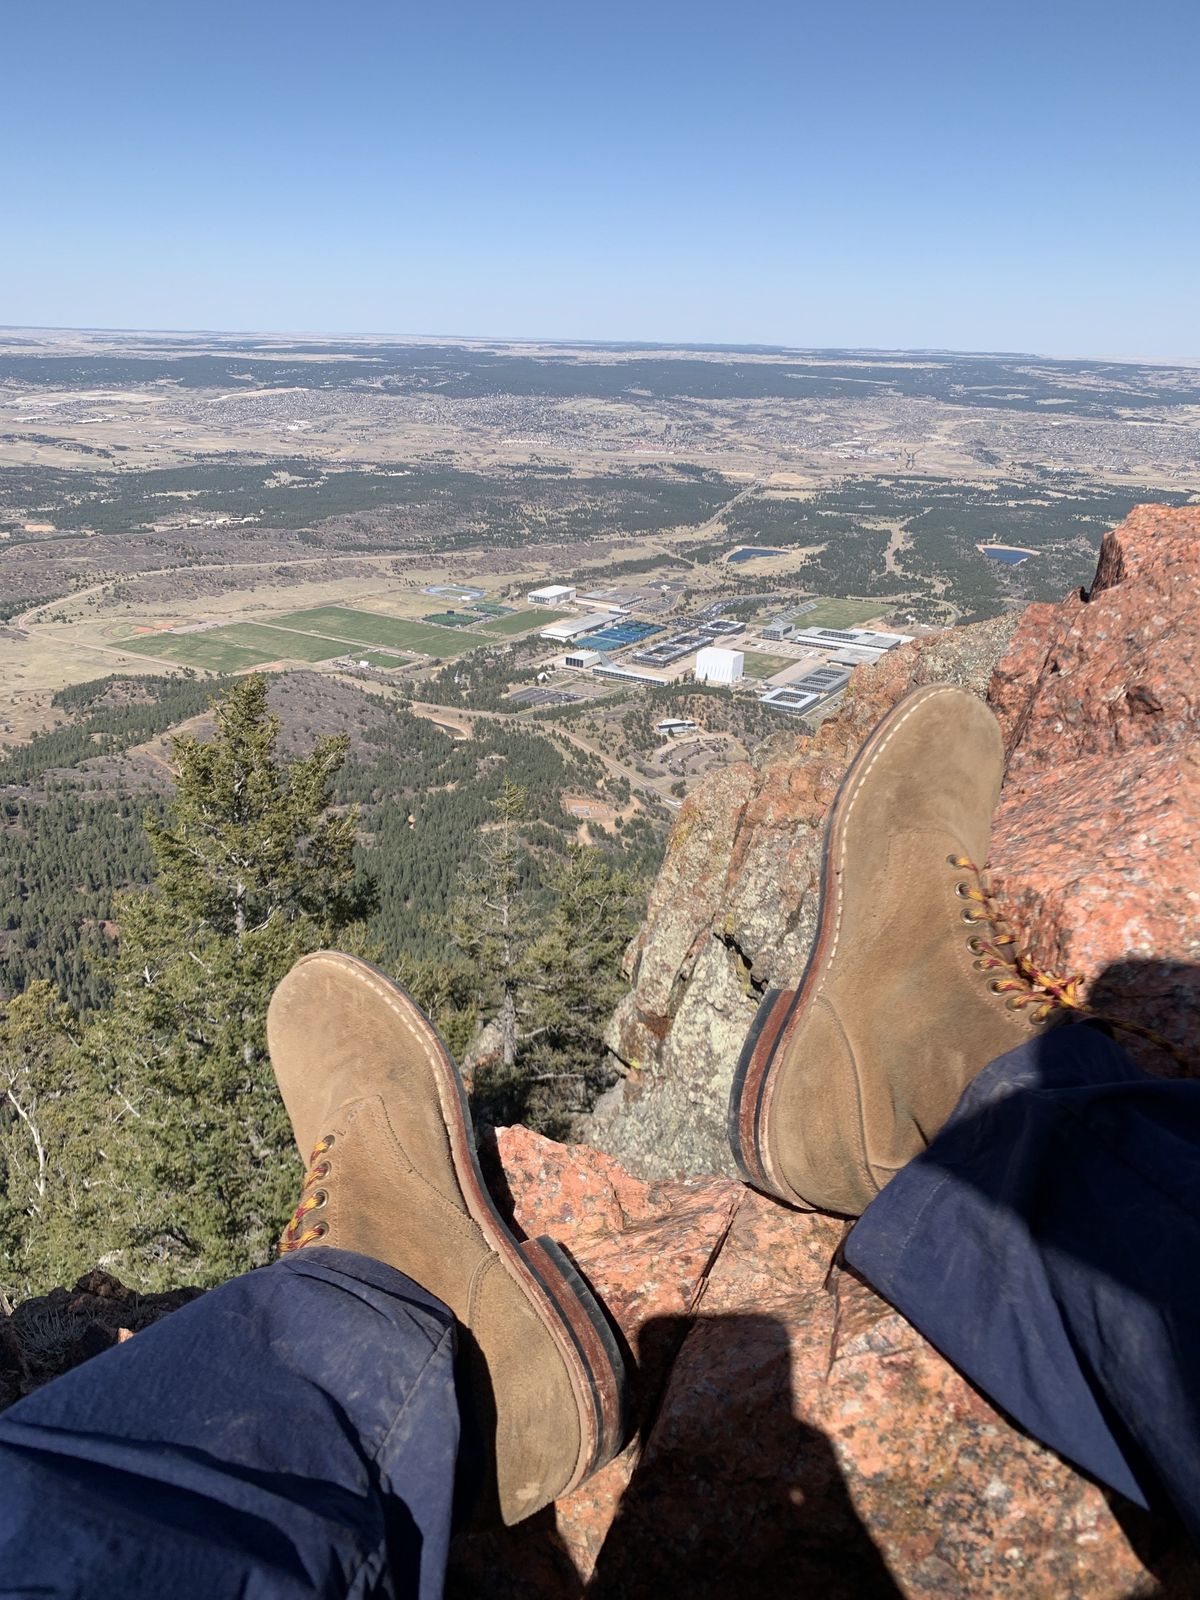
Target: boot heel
745	1098
589	1330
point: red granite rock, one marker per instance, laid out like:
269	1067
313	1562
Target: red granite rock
793	1433
1094	841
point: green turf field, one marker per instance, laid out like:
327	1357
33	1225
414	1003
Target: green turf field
760	665
369	627
274	644
521	621
451	619
195	650
838	614
490	608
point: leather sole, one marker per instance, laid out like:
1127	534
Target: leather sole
544	1273
781	1011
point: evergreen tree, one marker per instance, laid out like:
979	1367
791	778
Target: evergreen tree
491	923
546	967
252	871
45	1145
577	981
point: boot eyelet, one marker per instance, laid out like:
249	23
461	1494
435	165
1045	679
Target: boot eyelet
995	988
321	1229
323	1170
980	965
955	861
968	915
1013	1003
963	891
321	1198
975	945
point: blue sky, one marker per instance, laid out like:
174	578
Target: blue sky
1009	176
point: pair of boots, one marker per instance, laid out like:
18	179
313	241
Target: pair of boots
913	986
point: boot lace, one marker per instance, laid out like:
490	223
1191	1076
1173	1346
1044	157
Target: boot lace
1029	986
298	1232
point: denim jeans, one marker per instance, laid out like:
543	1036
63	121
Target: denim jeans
297	1432
292	1433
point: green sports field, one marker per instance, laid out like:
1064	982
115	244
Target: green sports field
196	650
451	619
369	627
237	646
760	665
277	644
522	621
838	614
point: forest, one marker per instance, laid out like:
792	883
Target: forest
457	508
117	1103
72	814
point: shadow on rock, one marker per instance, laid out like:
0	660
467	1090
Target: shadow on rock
731	1492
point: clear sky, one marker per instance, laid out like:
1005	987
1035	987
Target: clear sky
1019	175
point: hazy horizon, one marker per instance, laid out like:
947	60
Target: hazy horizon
757	347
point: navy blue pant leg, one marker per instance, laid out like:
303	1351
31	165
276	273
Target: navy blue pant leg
293	1432
1048	1244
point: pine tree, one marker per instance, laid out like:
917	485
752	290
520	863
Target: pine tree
546	970
575	966
252	871
45	1147
491	923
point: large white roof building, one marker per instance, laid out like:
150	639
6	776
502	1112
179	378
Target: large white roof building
715	664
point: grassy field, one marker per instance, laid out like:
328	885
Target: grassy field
760	665
369	627
275	644
521	621
451	619
196	650
839	614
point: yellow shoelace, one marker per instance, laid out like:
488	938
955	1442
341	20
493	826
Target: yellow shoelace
297	1234
1026	983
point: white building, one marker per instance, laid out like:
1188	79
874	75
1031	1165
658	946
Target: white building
554	594
571	627
791	701
714	664
850	638
582	658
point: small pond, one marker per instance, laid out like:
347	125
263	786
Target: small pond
1006	553
752	552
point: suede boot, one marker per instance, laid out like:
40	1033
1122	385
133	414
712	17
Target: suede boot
378	1108
911	987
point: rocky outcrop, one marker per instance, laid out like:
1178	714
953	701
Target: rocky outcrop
1095	839
794	1435
1093	842
734	912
